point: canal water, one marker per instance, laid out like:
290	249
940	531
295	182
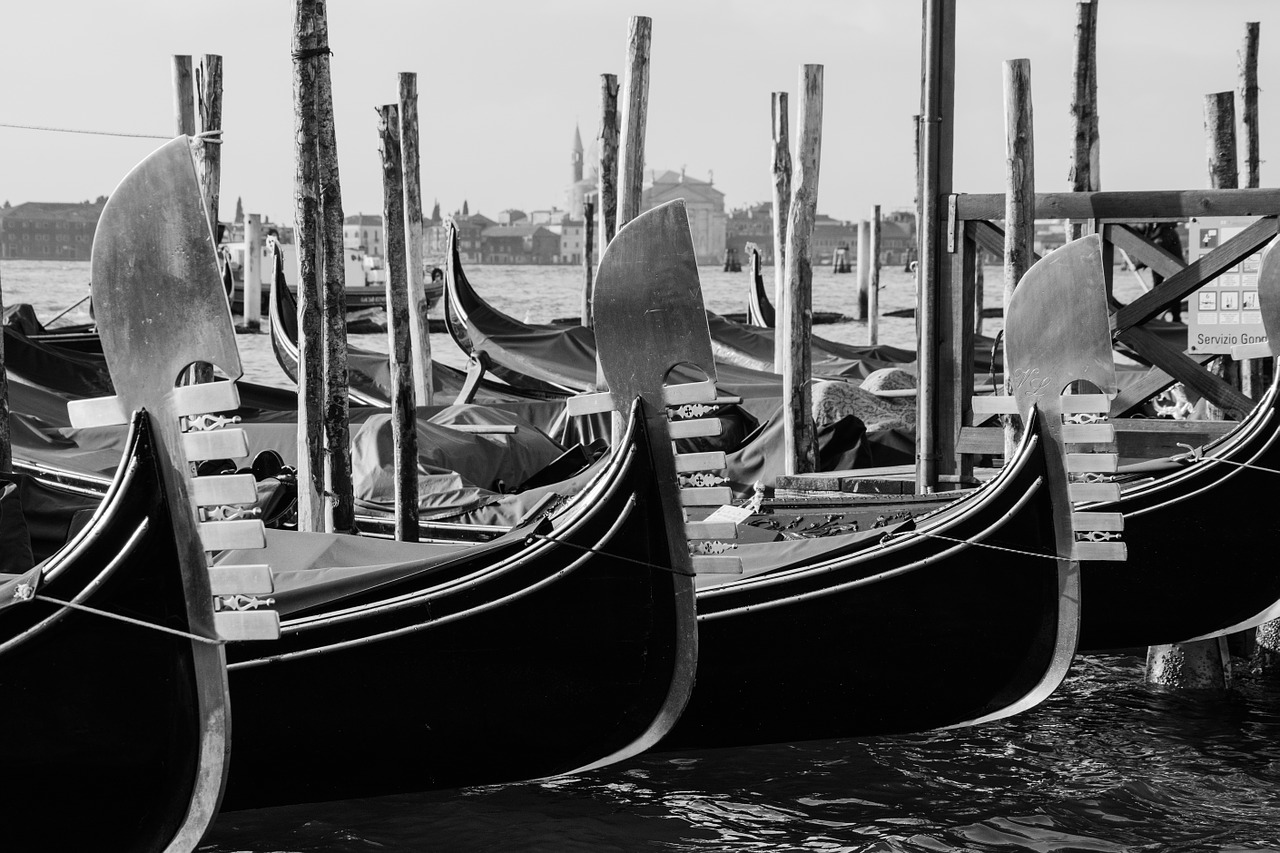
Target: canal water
1105	764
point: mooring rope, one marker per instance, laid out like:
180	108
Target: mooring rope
893	536
127	619
532	536
1195	454
212	137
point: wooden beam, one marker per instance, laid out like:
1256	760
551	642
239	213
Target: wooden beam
1139	248
1195	274
1130	206
1187	371
1136	438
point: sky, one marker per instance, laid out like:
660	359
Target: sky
502	85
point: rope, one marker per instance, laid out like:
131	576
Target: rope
211	137
128	619
890	536
308	53
532	536
1196	454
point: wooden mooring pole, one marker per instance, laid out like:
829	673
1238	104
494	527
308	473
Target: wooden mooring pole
252	284
607	173
1204	664
1249	103
781	170
184	103
863	267
6	436
341	514
207	144
588	219
1085	155
800	438
306	46
635	111
419	326
873	300
404	435
1020	202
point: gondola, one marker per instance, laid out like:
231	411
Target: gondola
566	644
905	628
118	732
369	378
1200	532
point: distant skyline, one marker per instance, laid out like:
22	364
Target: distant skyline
502	84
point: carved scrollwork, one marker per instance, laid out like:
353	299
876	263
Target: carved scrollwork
204	423
240	602
691	410
1096	536
1084	418
710	547
701	479
1090	477
230	512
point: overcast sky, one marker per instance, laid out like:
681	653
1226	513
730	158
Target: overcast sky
502	84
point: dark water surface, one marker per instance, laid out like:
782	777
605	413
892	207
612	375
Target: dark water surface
1105	764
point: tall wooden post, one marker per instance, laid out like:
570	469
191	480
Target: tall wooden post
588	220
781	171
635	111
1020	200
607	171
1204	663
207	144
307	44
404	435
341	516
863	268
936	411
6	437
1249	102
419	326
184	104
873	301
253	272
800	438
1085	155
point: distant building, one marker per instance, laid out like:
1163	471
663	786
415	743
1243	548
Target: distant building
519	244
703	203
363	232
470	227
752	224
512	217
42	230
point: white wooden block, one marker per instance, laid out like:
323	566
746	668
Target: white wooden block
1103	551
706	496
224	489
237	626
1094	491
588	404
204	397
710	461
695	428
1076	404
1088	433
97	412
689	392
710	530
717	565
241	580
1084	463
215	444
1256	350
485	429
1001	404
239	534
1107	521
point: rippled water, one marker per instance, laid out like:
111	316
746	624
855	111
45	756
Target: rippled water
1106	764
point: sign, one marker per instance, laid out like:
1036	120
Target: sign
1224	312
